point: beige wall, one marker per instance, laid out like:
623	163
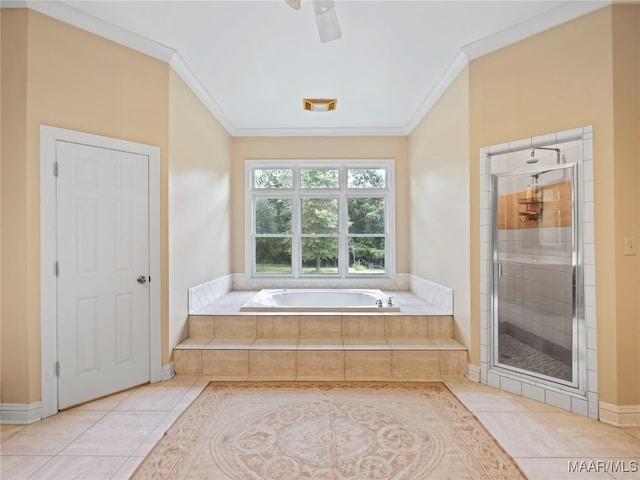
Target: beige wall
325	148
439	202
570	76
68	78
199	201
626	146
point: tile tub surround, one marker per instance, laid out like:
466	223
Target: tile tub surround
407	345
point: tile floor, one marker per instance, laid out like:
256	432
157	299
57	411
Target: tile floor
108	438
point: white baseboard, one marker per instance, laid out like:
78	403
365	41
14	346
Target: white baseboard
624	416
472	373
168	372
20	413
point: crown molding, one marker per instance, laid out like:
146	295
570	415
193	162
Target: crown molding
532	26
321	132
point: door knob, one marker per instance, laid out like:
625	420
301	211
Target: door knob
142	279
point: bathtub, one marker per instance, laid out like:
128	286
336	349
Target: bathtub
318	300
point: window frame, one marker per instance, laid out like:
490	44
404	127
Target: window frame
342	193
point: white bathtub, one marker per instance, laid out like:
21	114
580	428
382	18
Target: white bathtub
318	300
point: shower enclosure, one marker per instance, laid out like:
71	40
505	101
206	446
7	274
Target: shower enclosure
535	301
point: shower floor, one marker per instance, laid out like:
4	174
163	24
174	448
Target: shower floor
518	354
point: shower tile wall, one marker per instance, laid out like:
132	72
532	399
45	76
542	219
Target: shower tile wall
536	298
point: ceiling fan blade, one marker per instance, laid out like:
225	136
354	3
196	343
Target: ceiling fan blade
295	4
327	20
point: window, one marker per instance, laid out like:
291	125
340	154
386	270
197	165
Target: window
320	219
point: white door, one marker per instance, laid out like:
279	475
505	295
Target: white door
102	208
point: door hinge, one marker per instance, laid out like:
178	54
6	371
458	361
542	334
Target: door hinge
57	369
57	269
56	169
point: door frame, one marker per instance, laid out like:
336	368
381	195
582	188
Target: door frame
48	299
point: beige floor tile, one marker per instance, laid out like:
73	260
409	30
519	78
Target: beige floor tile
320	326
127	468
524	434
8	431
365	344
161	396
201	326
189	396
363	326
275	344
440	326
80	467
320	344
320	365
194	343
225	362
593	437
411	344
51	435
156	434
272	364
187	362
623	468
370	365
482	398
107	403
118	433
230	343
633	431
278	326
235	326
415	363
21	467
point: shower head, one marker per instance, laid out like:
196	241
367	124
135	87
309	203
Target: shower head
532	159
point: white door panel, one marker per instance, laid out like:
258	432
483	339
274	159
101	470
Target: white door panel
102	249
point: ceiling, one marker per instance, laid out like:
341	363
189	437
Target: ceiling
252	62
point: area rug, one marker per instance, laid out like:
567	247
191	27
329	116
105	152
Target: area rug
322	431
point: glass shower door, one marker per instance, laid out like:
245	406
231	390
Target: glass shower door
535	269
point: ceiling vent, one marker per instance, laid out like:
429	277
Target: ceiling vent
319	104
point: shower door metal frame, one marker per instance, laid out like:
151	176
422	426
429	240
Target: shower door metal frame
578	349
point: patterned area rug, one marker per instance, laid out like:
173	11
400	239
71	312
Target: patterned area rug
320	431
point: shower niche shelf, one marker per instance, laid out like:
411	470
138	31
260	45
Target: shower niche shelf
533	210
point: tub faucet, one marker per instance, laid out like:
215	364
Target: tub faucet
390	302
379	303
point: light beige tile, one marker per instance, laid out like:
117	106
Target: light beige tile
7	431
230	344
633	431
272	365
156	434
483	398
370	365
593	437
447	344
440	326
187	362
411	344
117	433
128	467
525	434
193	343
51	435
275	344
624	468
405	326
22	466
278	326
320	365
453	362
201	326
365	344
363	326
223	363
161	396
235	326
320	344
80	467
320	326
415	363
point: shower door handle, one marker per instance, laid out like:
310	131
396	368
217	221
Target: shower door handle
499	270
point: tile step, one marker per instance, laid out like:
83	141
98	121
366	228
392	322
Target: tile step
291	360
